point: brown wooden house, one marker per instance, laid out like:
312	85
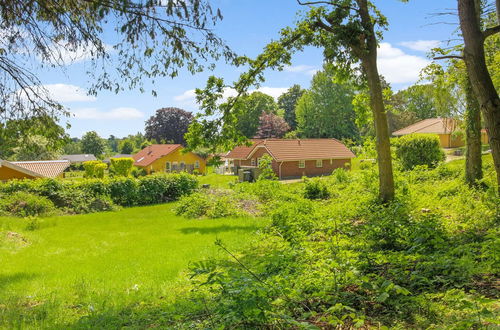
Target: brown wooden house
294	158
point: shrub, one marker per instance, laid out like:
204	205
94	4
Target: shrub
122	166
193	206
123	191
24	204
94	169
138	172
315	189
266	170
340	175
419	149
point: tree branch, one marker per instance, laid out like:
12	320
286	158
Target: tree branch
490	31
448	56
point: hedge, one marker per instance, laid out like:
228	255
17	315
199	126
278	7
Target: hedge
90	195
419	149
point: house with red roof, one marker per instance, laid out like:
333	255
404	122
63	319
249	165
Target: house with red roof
294	158
169	158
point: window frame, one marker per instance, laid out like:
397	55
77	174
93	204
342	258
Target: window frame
302	164
168	166
319	163
253	162
196	164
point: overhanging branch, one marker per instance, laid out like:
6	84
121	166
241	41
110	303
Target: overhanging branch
490	31
448	56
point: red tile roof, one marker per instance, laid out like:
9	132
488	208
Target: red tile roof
153	152
45	168
430	126
241	152
302	149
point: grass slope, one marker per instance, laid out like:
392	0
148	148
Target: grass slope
74	266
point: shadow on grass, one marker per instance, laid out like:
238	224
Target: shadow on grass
6	280
217	229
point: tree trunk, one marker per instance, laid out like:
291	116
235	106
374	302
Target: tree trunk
369	62
479	76
473	161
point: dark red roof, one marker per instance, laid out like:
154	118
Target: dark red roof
153	152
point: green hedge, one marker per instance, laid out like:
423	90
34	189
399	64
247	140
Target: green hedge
419	149
90	195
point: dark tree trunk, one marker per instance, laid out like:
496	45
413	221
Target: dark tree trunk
473	161
479	76
369	62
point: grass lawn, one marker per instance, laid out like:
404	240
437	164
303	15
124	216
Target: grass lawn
76	266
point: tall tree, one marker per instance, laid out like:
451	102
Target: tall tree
168	124
154	39
325	110
35	147
271	126
249	109
93	144
474	36
12	133
417	99
288	102
127	146
347	31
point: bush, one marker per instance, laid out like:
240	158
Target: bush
94	169
91	195
419	149
193	206
315	189
24	204
122	166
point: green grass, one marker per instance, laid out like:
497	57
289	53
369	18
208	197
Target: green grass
75	266
217	180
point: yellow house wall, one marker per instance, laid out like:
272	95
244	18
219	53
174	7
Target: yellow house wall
189	158
444	140
7	173
484	138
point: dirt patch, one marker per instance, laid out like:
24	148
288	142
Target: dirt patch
16	239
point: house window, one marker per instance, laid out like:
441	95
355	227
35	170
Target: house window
319	163
302	164
258	161
168	166
183	166
197	164
253	162
175	166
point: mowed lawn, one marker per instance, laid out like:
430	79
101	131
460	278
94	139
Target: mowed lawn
73	266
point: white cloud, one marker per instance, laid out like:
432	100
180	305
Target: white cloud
307	69
122	113
421	45
189	96
68	93
398	67
66	54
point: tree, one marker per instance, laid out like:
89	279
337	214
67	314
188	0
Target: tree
14	132
92	144
288	102
325	110
346	31
127	147
35	147
73	147
112	143
417	99
474	36
154	39
168	124
249	109
271	126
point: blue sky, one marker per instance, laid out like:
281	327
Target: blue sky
247	26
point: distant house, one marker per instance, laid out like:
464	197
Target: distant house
168	158
108	160
32	169
294	158
445	128
79	158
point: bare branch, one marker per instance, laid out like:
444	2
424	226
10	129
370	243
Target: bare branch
448	56
491	31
